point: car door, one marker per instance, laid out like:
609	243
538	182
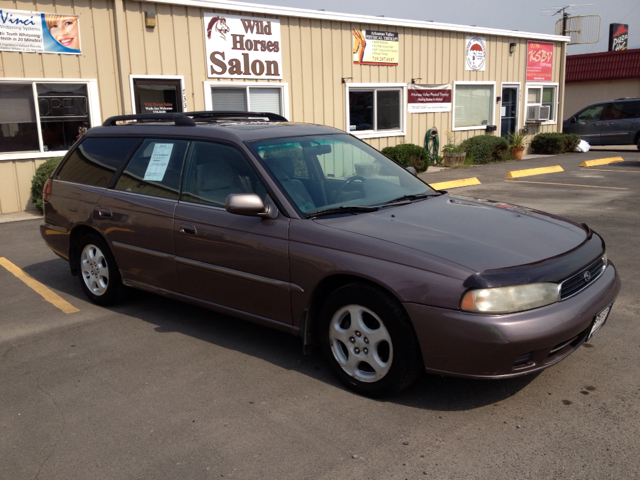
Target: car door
617	124
233	261
136	215
587	124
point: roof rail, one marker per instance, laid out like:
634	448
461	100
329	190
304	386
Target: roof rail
208	114
178	119
627	98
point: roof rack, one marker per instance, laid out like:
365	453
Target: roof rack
178	119
234	115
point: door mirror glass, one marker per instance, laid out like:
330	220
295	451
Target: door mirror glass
412	171
250	205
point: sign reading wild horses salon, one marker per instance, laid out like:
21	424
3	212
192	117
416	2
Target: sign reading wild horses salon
242	47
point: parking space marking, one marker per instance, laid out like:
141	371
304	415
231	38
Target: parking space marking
534	171
601	161
464	182
39	288
565	184
617	171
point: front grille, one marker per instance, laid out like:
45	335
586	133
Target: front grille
581	280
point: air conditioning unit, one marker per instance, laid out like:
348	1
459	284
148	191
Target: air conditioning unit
538	113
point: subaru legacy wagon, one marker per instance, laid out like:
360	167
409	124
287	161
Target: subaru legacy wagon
306	229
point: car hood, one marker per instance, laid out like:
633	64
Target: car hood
477	234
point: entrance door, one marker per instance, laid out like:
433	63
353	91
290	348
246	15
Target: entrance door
156	95
509	111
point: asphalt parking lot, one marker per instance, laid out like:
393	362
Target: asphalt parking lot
158	389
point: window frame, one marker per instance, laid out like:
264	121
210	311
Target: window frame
492	104
93	100
401	132
156	77
284	96
541	86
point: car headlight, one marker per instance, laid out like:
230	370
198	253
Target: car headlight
510	299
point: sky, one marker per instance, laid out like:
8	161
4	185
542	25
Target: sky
524	15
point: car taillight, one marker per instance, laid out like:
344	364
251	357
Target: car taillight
46	191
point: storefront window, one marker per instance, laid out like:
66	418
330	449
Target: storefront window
63	111
157	95
544	95
247	99
473	105
377	109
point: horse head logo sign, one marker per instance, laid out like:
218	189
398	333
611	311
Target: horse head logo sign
220	26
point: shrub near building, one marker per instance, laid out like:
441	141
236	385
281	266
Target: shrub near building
554	143
408	155
43	172
486	148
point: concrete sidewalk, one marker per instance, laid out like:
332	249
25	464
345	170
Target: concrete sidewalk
20	216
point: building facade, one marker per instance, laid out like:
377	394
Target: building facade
67	67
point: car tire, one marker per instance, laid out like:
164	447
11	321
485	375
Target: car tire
99	275
375	355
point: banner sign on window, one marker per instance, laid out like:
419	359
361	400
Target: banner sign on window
373	47
429	98
22	31
539	61
476	53
242	47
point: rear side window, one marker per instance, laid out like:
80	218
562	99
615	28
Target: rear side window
155	169
630	109
96	159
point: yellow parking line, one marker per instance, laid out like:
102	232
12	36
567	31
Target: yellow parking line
39	288
565	184
623	170
464	182
534	171
601	161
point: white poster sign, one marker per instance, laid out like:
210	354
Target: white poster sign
429	98
476	53
242	47
22	31
159	161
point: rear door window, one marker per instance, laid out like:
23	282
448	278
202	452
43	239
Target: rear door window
96	160
155	169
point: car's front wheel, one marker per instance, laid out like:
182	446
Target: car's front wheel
99	275
368	341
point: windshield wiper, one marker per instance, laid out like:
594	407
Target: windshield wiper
408	198
343	209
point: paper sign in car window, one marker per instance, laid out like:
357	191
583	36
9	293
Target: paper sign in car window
159	162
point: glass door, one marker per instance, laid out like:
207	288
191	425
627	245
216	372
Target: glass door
509	110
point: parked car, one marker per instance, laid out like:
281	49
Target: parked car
270	221
615	122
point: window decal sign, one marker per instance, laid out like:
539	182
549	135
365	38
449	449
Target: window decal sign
373	47
159	161
429	98
242	47
22	31
476	53
539	61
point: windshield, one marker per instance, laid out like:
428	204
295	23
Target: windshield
332	171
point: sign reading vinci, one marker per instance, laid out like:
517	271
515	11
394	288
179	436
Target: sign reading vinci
242	47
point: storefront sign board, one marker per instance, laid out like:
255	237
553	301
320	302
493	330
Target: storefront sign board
22	31
539	62
374	47
429	98
242	47
476	53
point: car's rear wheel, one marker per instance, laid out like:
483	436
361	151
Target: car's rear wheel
368	341
99	275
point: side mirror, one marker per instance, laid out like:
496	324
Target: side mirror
574	119
250	205
412	171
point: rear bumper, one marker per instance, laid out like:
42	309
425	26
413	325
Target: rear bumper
503	346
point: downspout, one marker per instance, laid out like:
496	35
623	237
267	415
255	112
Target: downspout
122	57
563	70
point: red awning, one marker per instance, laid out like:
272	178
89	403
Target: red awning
603	66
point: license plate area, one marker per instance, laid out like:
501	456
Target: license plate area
599	320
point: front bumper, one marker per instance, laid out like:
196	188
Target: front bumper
501	346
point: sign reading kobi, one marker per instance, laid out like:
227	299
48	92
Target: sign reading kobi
242	47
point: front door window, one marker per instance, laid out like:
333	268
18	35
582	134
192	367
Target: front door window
509	111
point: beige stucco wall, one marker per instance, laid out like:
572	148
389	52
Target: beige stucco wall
316	55
580	94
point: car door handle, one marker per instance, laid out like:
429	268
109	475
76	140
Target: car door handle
188	229
104	212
